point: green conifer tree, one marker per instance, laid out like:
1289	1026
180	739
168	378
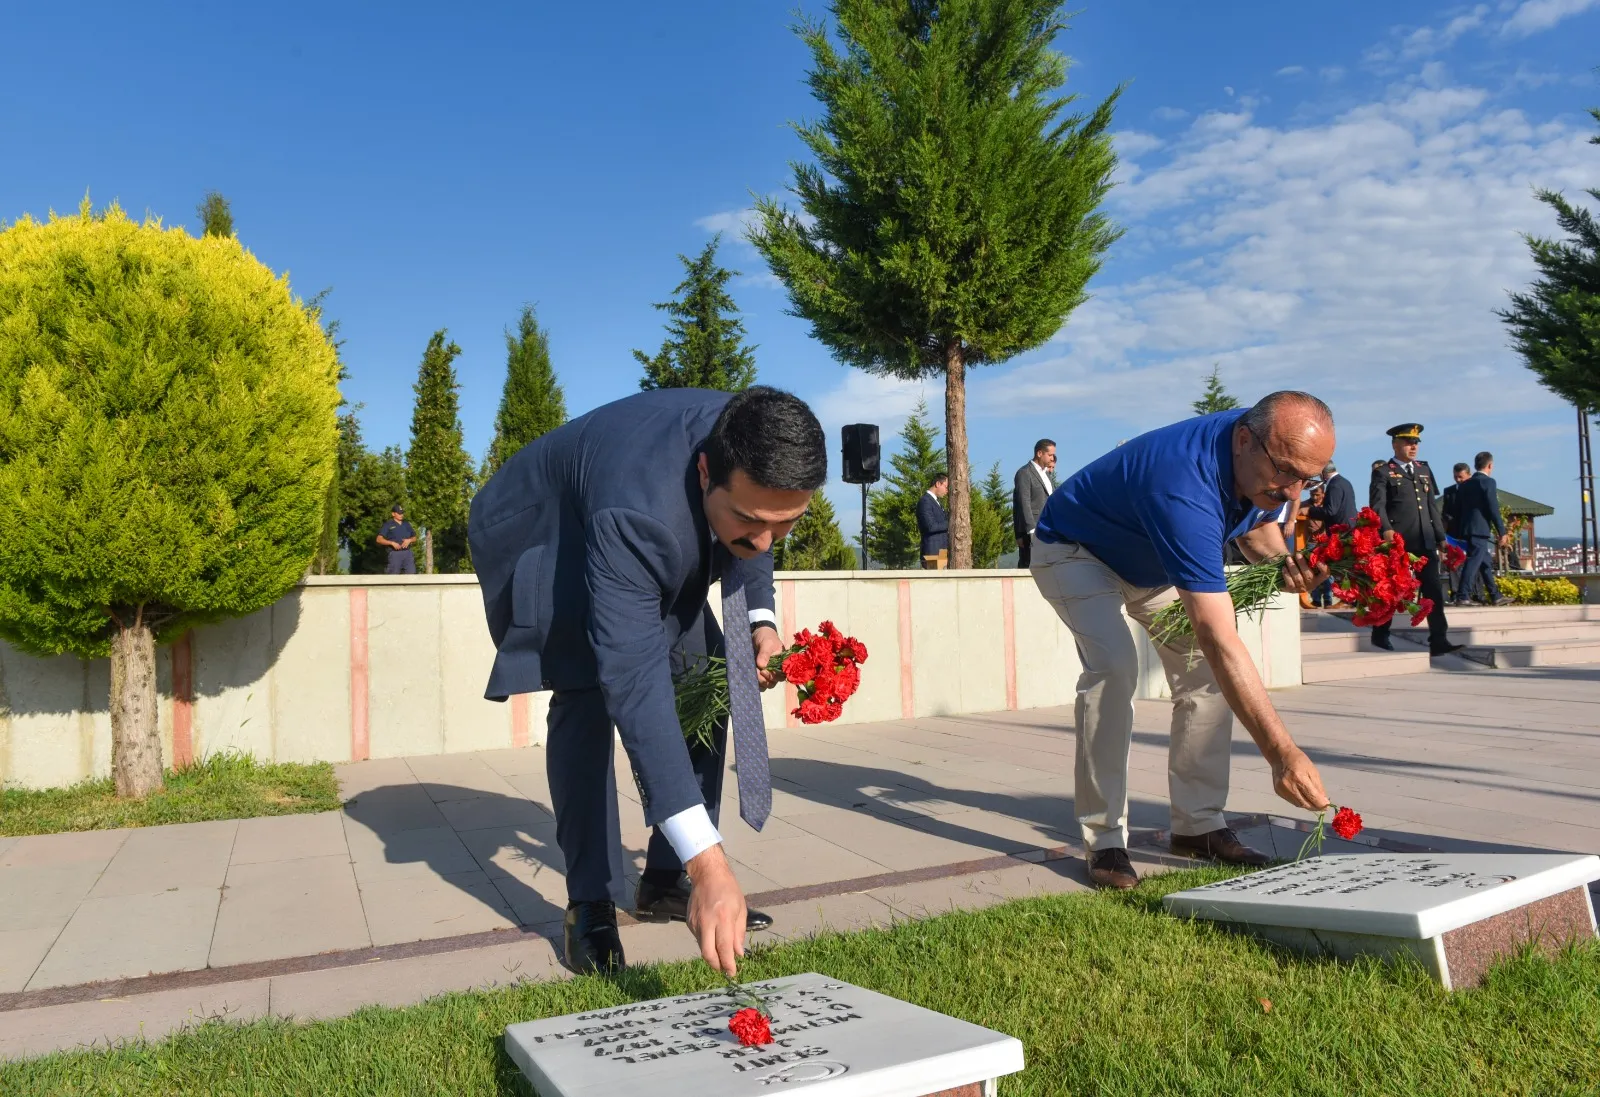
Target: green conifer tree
950	217
371	484
704	348
1215	398
216	216
532	403
992	536
168	427
892	537
815	543
439	473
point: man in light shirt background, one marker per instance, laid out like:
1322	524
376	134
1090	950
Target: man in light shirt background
1030	491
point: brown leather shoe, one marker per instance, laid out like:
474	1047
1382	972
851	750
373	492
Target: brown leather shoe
1219	845
1110	868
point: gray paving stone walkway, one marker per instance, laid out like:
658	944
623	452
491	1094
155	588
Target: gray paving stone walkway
870	823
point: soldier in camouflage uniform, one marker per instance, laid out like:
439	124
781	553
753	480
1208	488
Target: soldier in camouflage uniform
1404	493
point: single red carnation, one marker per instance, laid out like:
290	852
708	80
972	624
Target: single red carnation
1373	567
1366	540
1333	550
1424	608
1367	517
858	650
752	1027
827	629
832	711
811	711
846	681
1346	823
800	668
1337	528
1398	544
822	650
1376	615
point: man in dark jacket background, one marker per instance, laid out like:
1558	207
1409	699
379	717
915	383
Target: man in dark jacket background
1030	491
1338	500
933	523
1482	527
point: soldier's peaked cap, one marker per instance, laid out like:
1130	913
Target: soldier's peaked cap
1406	430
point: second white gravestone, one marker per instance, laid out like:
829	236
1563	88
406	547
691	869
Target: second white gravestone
830	1039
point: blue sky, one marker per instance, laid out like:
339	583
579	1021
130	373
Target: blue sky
1315	196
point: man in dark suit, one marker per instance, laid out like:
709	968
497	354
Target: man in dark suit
1450	511
1030	491
595	547
1482	527
1338	500
933	524
1402	493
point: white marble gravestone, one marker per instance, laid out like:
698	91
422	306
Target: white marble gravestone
1455	912
831	1039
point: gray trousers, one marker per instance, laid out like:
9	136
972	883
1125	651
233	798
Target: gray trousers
1090	598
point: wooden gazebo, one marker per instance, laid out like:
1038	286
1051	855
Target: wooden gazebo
1519	512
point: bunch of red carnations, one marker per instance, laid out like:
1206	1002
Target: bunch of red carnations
1377	577
823	666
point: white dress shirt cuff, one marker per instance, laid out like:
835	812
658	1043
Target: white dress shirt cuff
762	617
690	832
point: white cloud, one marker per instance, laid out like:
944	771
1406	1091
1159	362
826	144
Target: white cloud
734	222
1425	41
1362	257
1291	70
1135	142
1331	73
1533	16
1169	114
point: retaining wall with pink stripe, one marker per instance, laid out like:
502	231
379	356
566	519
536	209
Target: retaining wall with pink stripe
351	667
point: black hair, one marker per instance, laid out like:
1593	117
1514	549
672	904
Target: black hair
938	478
773	437
1461	466
1041	445
1483	460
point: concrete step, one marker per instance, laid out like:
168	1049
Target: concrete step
1510	616
1552	653
1332	643
1346	665
1463	630
1324	621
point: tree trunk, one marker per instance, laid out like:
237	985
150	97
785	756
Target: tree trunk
955	450
135	733
427	551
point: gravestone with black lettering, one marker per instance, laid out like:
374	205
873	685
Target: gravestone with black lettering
830	1039
1456	913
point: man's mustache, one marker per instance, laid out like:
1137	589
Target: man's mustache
746	543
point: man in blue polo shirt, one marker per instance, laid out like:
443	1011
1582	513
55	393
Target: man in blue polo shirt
1144	526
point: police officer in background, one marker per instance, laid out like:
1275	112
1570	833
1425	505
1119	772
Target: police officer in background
398	537
1403	493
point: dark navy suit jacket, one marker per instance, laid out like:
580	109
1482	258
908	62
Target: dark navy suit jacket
933	525
1338	503
594	555
1478	507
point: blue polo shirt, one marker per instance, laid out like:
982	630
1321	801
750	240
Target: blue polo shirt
1159	509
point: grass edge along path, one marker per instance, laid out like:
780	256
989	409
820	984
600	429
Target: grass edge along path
1110	997
222	786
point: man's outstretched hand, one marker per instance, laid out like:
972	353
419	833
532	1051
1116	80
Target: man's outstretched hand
1296	779
716	910
767	644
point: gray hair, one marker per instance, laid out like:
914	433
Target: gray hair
1328	470
1261	415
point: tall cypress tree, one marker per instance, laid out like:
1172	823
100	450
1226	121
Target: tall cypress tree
951	218
327	558
815	543
532	403
439	473
1555	325
1215	398
992	536
892	537
704	348
370	484
216	216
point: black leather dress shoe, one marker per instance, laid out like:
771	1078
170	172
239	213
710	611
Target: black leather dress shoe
591	937
1445	649
1219	845
652	903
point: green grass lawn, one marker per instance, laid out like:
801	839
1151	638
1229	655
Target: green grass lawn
1108	995
224	786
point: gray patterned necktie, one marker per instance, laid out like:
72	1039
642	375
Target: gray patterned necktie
744	712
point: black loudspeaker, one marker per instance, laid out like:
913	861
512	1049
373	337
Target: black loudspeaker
861	453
